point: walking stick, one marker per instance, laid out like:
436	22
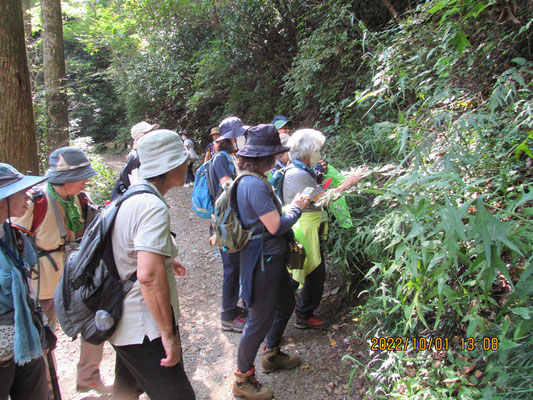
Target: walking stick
53	376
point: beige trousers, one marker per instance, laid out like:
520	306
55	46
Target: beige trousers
90	355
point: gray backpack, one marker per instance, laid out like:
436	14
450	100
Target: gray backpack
90	293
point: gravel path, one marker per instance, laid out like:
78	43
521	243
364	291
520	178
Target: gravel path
210	354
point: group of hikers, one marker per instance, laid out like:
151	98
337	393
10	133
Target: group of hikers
37	235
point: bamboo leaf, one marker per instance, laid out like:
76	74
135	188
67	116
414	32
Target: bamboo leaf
522	311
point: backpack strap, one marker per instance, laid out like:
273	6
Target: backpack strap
233	198
47	253
210	179
130	192
84	203
284	171
86	276
40	206
17	252
230	160
135	190
39	212
60	223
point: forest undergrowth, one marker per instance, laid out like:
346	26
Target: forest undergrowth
444	231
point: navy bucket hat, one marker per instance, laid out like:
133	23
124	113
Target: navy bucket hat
231	127
263	140
280	121
68	164
12	181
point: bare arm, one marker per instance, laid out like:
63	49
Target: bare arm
152	276
351	181
271	221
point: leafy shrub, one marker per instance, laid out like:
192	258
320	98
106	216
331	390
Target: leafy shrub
99	188
451	256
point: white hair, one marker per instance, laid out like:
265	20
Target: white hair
304	143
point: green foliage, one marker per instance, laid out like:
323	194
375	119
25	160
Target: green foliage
99	188
452	254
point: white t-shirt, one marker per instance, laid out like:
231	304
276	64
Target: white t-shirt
142	223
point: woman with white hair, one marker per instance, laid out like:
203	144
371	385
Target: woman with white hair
305	145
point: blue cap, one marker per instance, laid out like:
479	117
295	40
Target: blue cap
12	181
280	121
231	127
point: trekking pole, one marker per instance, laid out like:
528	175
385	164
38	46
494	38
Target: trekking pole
53	376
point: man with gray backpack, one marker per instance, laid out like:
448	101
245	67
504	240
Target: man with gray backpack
120	285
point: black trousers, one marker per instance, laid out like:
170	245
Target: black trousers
272	306
311	293
313	289
138	371
24	382
189	178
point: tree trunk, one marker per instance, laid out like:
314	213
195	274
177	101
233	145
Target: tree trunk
18	145
26	10
54	75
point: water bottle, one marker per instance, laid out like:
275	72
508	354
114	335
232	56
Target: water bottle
103	320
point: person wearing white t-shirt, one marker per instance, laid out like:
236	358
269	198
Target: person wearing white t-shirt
147	341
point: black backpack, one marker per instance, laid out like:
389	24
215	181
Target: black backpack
90	286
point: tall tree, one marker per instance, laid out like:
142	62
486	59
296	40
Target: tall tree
18	145
26	11
55	74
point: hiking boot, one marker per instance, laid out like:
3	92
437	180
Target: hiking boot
273	359
247	386
311	323
97	385
236	325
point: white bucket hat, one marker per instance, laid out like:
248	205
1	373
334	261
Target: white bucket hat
160	151
140	129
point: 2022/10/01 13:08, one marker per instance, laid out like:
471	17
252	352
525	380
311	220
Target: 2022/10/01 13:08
432	343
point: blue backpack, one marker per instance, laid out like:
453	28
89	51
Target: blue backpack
277	181
204	192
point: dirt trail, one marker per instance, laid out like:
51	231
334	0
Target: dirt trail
210	354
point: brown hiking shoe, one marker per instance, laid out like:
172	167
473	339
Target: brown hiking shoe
273	359
247	386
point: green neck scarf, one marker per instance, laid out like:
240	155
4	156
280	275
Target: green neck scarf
72	212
